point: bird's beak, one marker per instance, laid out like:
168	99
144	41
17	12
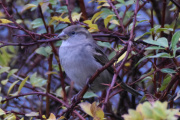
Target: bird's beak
63	36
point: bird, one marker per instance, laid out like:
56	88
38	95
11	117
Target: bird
80	57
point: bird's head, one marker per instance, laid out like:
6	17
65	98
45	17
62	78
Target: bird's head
75	33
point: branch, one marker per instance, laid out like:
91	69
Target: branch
28	44
43	94
176	3
69	11
116	12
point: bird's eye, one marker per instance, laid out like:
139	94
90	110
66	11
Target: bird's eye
73	33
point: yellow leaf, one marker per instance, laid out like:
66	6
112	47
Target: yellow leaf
52	117
106	4
114	22
121	57
66	19
61	118
28	6
2	14
127	64
96	15
97	18
86	108
22	118
76	16
43	116
97	112
106	20
98	7
102	1
13	84
93	27
22	84
5	21
10	116
2	112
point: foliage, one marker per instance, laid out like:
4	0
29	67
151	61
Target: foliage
140	38
154	111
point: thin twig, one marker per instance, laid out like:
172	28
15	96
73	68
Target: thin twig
116	12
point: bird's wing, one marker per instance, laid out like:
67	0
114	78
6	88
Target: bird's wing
100	57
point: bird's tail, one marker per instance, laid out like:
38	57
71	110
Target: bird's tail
129	89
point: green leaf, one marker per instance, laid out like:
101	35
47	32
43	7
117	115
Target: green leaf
161	55
167	70
4	69
154	48
165	82
146	33
106	12
89	95
12	72
163	42
53	2
104	44
160	42
13	84
37	81
37	23
60	26
174	41
45	51
62	9
22	84
145	57
163	29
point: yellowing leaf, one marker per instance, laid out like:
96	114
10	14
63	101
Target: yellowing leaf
121	57
86	108
32	114
97	112
2	112
106	4
50	73
114	22
93	27
106	21
61	118
5	21
43	116
13	84
60	19
76	16
22	84
2	14
52	117
96	15
98	7
4	82
28	6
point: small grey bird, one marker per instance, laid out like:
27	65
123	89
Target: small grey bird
80	57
